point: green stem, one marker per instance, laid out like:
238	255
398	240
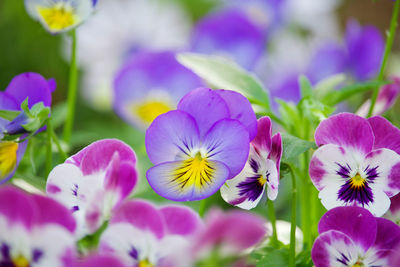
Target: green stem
292	249
388	48
272	218
49	154
203	207
56	141
72	91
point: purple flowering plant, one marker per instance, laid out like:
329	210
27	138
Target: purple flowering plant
209	149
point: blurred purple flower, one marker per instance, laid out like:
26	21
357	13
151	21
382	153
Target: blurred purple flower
356	163
94	181
150	84
199	146
352	236
143	235
261	172
35	230
100	260
230	33
386	99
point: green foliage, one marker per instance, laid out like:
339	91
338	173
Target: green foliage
293	147
36	116
9	114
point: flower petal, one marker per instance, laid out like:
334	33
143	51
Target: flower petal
388	235
386	134
276	150
179	181
334	249
228	142
171	136
356	223
101	260
206	106
347	130
180	220
263	139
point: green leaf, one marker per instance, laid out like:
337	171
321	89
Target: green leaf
225	74
304	259
328	84
305	86
9	114
289	114
337	96
274	258
293	147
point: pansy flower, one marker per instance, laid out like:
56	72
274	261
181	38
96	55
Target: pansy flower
393	213
26	85
356	164
150	84
261	172
352	236
230	33
34	230
100	260
94	181
141	234
197	147
60	15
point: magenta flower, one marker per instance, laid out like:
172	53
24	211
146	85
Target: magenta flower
199	146
34	230
356	164
386	98
352	236
393	213
261	172
37	89
94	181
100	260
232	232
143	235
150	84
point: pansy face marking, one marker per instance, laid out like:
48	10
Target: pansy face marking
59	16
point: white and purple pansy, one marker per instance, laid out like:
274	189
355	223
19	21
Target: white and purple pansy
94	181
35	231
60	15
261	172
197	147
141	234
352	236
356	163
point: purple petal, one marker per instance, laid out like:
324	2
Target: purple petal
97	156
8	102
333	249
365	49
206	106
52	212
7	150
181	181
171	136
232	33
395	206
263	139
276	150
357	223
388	234
347	130
101	260
180	220
240	109
31	85
386	134
140	214
17	206
228	142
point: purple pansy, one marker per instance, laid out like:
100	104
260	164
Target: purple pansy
197	147
230	33
26	85
261	171
356	163
393	213
386	98
60	15
34	230
94	181
141	234
150	84
231	232
352	236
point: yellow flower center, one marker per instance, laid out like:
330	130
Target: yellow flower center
58	17
150	110
358	264
145	263
195	171
8	157
357	181
261	180
20	261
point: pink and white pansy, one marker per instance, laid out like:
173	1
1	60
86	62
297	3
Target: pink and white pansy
141	234
35	230
261	172
356	163
94	181
352	236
